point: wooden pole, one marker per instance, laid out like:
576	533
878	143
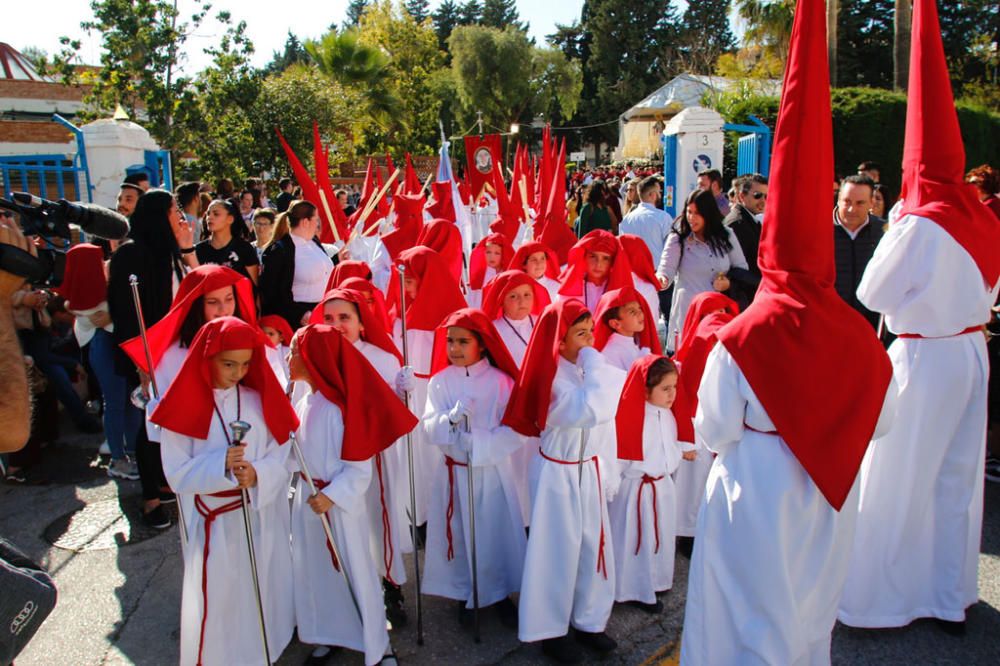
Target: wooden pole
901	23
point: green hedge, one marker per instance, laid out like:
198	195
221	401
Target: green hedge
868	124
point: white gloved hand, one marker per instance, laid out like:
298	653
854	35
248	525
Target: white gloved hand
589	358
458	412
405	380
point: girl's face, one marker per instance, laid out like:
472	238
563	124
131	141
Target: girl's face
273	335
694	218
518	302
219	218
230	367
410	286
663	394
598	265
536	264
297	370
463	347
343	316
246	203
263	228
878	204
219	302
175	217
494	255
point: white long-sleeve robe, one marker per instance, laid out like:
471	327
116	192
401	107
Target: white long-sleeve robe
324	611
552	286
562	583
643	513
198	467
516	333
475	296
621	351
500	539
771	553
917	548
652	298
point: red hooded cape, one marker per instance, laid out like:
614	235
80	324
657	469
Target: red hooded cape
617	298
84	284
374	326
443	207
702	305
373	297
502	285
195	284
521	257
473	320
790	343
630	419
598	240
477	260
188	405
348	269
344	377
934	185
444	237
528	408
640	258
438	294
409	222
280	324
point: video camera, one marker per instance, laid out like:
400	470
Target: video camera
50	220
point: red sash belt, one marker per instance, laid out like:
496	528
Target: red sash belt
601	566
320	485
763	432
651	482
917	336
209	515
387	549
421	376
451	463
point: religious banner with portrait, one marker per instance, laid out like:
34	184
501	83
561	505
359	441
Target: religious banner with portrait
482	155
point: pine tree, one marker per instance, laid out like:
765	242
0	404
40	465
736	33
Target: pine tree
500	14
470	12
705	33
355	8
864	48
418	9
445	18
294	52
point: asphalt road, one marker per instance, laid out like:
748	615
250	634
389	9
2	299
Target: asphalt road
119	588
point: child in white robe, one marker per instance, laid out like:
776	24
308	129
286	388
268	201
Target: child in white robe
624	329
643	515
567	394
490	256
219	615
541	263
338	439
471	383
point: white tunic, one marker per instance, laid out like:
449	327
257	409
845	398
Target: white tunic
516	333
643	514
323	608
569	578
500	538
389	474
651	297
197	467
917	548
164	373
552	286
771	554
475	296
621	351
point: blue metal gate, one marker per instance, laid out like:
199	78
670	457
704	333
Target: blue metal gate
50	176
754	152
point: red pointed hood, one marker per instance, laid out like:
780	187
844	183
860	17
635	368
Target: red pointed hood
195	284
630	418
280	324
934	186
598	240
477	260
348	269
375	331
84	284
342	374
502	284
615	299
438	294
411	182
409	222
187	406
528	407
530	248
444	238
443	206
640	259
474	320
701	306
790	342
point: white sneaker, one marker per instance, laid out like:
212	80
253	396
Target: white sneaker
105	449
123	469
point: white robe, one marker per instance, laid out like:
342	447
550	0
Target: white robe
652	298
771	553
917	548
643	515
500	539
324	611
427	459
475	296
516	333
552	286
562	582
621	351
232	634
384	492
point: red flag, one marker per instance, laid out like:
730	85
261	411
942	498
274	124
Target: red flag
322	161
483	156
310	191
382	207
411	182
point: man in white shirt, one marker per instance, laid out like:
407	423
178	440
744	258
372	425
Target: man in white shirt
650	223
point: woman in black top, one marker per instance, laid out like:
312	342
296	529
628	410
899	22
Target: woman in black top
227	244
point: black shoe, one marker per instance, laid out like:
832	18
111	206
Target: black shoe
652	609
390	658
599	641
157	518
951	628
392	596
421	536
167	498
562	650
685	546
507	612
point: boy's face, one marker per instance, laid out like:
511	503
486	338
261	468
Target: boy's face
493	255
343	316
579	335
598	265
536	264
230	367
630	319
663	394
463	347
273	335
518	302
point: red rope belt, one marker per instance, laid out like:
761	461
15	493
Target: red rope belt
209	515
387	549
917	336
601	566
651	482
451	463
320	485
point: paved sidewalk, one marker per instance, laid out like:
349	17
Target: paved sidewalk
119	587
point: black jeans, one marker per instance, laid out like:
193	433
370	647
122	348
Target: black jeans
147	453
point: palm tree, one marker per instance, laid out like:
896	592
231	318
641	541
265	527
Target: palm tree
769	24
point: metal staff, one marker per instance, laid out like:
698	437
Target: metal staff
133	282
409	457
325	520
240	429
472	536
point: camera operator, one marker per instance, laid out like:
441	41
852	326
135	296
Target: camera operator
15	403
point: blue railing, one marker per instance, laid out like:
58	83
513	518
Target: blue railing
47	175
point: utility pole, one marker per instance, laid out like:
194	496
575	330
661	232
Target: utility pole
901	24
832	14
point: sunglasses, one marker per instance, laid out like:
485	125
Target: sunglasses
760	195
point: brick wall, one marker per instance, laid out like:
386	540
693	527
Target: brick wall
26	131
41	90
